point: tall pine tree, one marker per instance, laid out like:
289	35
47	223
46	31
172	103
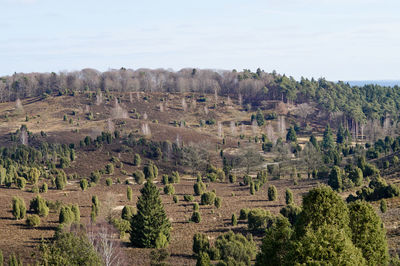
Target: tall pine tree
150	226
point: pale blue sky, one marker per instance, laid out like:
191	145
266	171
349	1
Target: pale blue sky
336	39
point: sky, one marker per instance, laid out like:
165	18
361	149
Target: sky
335	39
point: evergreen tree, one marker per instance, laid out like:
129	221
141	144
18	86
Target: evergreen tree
260	118
275	244
272	193
291	135
150	224
336	178
137	160
327	141
323	205
368	233
327	245
288	196
340	135
18	208
129	193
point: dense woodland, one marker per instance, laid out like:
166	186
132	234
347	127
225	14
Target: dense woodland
312	164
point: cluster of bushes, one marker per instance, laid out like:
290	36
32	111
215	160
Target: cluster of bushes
69	214
376	190
327	230
173	178
229	249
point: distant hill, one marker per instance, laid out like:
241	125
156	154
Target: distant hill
389	83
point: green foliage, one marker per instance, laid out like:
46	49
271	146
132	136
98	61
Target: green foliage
174	177
258	219
150	171
123	226
83	184
356	175
21	182
38	205
109	169
1	258
275	244
69	249
368	233
129	193
77	214
232	178
217	202
383	206
336	178
323	206
259	117
33	175
165	179
203	259
376	190
33	220
138	176
61	181
108	182
196	217
291	212
252	188
137	160
200	243
272	193
244	214
18	208
95	177
199	188
15	260
327	140
188	198
326	244
150	223
236	248
207	198
288	196
127	212
195	206
66	216
44	188
234	220
175	199
291	135
169	189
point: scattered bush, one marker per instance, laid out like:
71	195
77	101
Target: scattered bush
217	202
38	205
18	208
175	199
21	182
137	160
139	177
200	243
127	212
234	220
188	198
288	196
383	206
196	218
110	169
44	188
169	189
33	220
207	198
199	188
108	182
129	193
244	214
272	193
259	219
